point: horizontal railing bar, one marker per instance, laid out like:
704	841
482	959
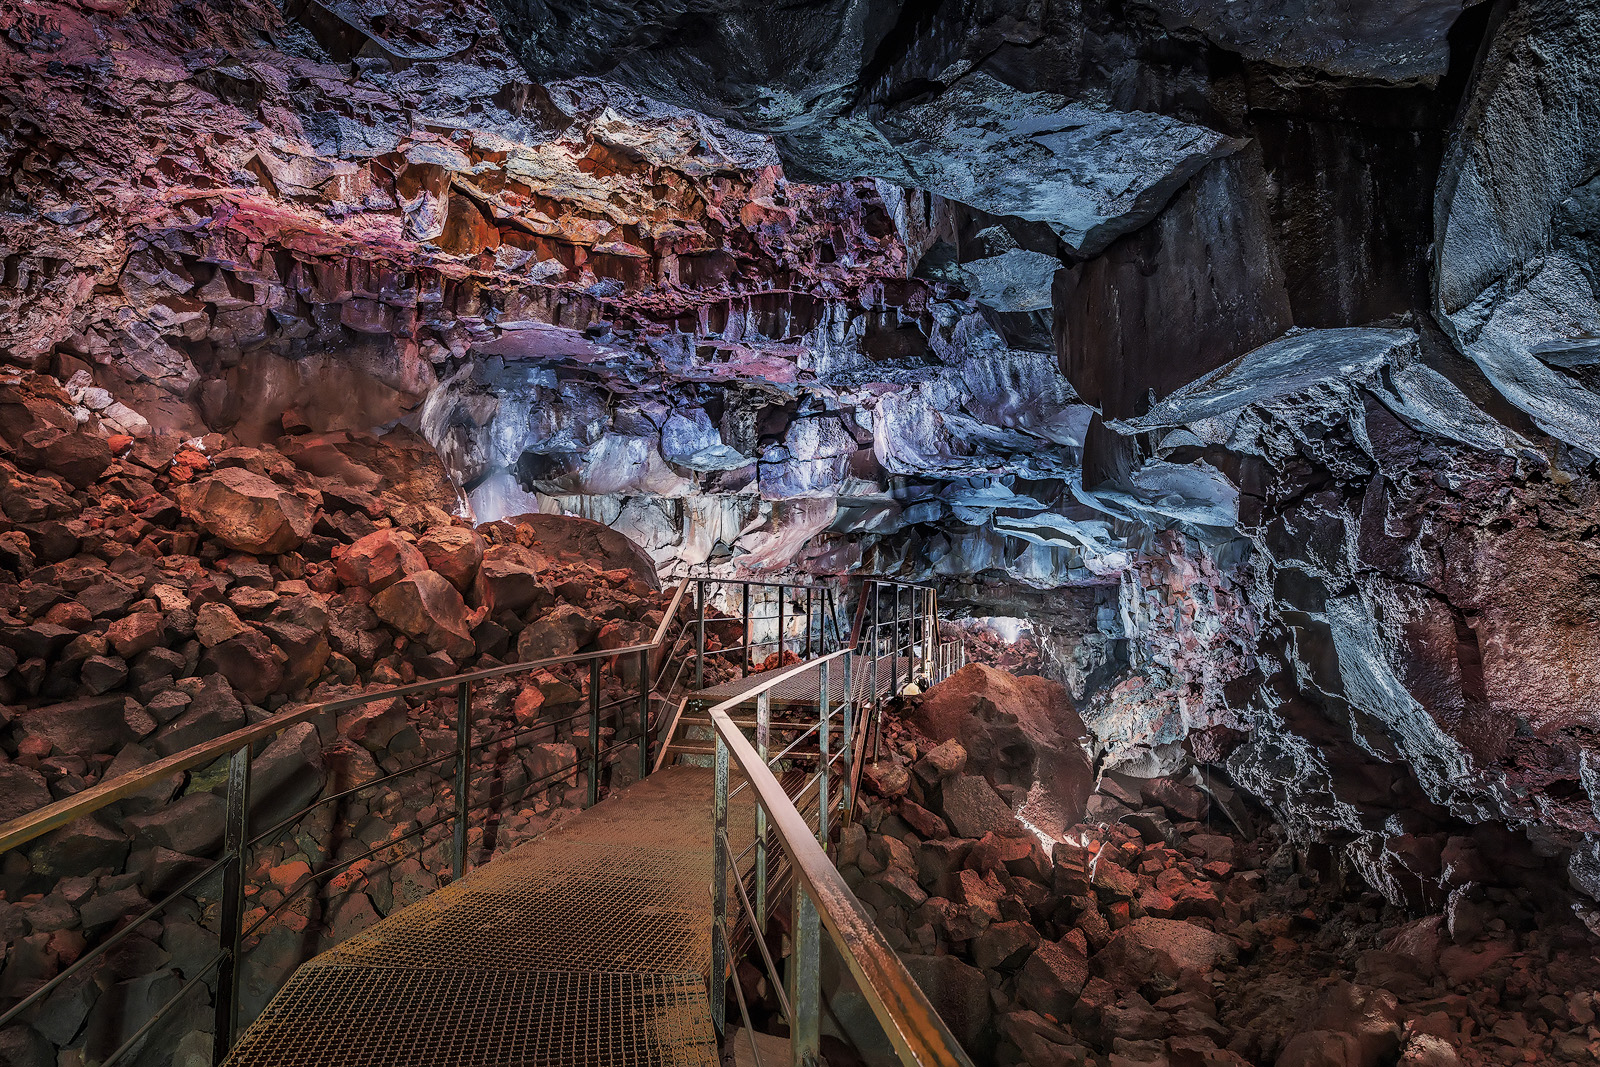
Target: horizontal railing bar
341	867
109	943
161	1012
37	823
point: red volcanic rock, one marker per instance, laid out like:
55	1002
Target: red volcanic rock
1052	978
509	579
379	560
426	606
1017	731
560	632
1172	949
250	662
246	512
972	808
80	458
453	551
567	538
133	634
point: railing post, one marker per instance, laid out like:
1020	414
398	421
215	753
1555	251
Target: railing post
822	768
746	596
719	887
894	653
458	851
235	836
700	633
808	623
846	801
594	732
763	743
872	664
805	981
644	713
781	599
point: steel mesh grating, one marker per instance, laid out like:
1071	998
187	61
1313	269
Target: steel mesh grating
335	1015
577	905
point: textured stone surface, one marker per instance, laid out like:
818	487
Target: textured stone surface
1020	732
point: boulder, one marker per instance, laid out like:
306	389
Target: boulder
379	560
453	551
1321	1048
136	633
246	512
215	623
22	790
959	993
80	458
1150	947
559	632
972	808
569	537
1004	946
1021	732
79	727
191	824
427	607
1052	978
249	662
286	776
83	845
503	584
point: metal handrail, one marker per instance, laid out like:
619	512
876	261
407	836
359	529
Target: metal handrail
915	1030
238	842
25	828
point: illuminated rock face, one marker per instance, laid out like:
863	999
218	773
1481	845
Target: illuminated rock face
1244	348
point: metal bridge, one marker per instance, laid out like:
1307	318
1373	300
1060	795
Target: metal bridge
611	938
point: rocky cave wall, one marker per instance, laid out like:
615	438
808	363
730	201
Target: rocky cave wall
1243	348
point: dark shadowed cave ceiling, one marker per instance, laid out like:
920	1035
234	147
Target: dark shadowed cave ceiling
1248	348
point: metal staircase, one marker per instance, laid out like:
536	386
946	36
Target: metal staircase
610	938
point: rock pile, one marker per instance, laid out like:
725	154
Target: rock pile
1158	934
156	593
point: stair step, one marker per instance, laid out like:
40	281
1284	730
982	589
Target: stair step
711	750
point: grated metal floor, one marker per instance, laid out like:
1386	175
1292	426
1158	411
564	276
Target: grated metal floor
589	945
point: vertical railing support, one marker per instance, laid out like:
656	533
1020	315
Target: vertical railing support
872	663
644	713
745	586
823	729
894	653
458	842
808	623
230	972
700	633
846	801
594	732
805	981
781	598
719	887
763	744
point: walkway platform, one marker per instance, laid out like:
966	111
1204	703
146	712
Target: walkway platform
803	689
590	945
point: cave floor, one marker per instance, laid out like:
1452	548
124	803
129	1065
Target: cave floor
588	945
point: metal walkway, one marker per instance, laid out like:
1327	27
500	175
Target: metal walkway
590	945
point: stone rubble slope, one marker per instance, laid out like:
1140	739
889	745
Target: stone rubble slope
1158	932
157	592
